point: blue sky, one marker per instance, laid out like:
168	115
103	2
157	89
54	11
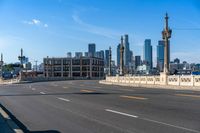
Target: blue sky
54	27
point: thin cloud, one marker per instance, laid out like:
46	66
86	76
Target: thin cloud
95	29
35	22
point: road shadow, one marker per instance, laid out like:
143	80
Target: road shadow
22	126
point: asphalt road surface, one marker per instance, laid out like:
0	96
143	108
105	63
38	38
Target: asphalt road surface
90	107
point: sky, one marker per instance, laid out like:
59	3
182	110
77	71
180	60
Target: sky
54	27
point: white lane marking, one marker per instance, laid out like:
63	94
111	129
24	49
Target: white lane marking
63	99
121	113
65	87
166	124
42	93
154	121
33	89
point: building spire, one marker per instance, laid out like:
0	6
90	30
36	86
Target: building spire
166	21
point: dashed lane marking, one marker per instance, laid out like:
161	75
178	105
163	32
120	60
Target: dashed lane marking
42	93
133	97
154	121
63	99
188	95
121	113
87	91
65	87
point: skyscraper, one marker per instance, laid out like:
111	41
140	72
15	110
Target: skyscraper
106	58
127	59
91	49
69	54
100	54
148	53
160	55
137	61
118	55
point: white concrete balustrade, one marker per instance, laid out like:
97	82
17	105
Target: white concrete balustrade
173	80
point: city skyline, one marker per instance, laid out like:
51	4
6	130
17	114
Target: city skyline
63	26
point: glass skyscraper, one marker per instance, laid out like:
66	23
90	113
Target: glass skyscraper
160	55
148	53
127	56
106	58
118	55
91	49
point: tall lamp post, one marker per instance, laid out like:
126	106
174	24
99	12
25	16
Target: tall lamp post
166	35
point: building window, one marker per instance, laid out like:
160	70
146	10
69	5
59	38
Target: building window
76	74
75	62
75	68
57	68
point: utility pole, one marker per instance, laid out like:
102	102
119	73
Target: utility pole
110	60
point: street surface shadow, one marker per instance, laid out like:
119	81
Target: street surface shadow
22	126
49	94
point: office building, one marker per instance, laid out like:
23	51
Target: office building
160	55
69	54
106	58
137	61
118	55
99	54
91	67
78	54
148	53
91	49
127	56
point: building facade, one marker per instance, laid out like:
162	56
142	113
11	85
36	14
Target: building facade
160	55
137	61
106	58
127	52
90	67
91	49
148	53
118	55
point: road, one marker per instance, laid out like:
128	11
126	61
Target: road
90	107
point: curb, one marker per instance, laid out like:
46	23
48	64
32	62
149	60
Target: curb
13	126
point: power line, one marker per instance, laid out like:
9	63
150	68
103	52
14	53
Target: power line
194	29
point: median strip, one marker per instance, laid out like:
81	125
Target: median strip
188	95
121	113
134	97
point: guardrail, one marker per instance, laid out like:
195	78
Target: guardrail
175	80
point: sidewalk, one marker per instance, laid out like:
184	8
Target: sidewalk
6	124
